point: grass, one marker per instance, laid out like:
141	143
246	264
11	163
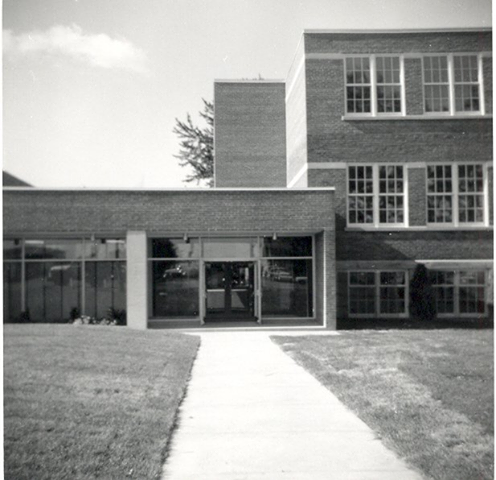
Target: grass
91	401
429	395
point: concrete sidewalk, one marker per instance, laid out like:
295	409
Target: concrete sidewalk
252	413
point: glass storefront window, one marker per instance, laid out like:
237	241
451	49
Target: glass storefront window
53	290
106	249
287	247
175	248
57	249
230	247
175	289
105	287
11	291
12	249
287	288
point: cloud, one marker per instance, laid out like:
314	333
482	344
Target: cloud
97	50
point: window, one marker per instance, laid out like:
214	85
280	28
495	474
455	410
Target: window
392	293
460	292
452	84
376	195
443	284
456	194
471	292
374	294
53	278
362	293
374	85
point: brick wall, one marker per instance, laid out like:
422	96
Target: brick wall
417	196
399	42
250	134
52	211
409	245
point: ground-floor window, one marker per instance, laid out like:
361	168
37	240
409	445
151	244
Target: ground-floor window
287	288
377	293
386	293
54	280
460	292
175	288
232	277
12	291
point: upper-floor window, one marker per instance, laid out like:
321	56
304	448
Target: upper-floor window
376	195
374	85
456	194
452	83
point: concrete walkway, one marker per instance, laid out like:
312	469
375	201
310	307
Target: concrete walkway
252	413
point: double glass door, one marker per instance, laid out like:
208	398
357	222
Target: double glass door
230	290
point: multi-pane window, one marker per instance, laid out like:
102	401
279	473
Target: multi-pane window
443	283
466	83
392	292
391	194
470	193
451	84
376	195
459	292
471	292
439	194
362	293
373	85
372	293
360	194
455	194
436	84
388	85
358	85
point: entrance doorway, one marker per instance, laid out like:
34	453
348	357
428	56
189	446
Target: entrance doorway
230	288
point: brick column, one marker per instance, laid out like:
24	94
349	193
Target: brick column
136	280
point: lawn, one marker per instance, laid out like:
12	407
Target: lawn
429	395
91	401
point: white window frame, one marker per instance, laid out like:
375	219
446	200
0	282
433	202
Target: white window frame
377	291
455	194
373	87
451	84
457	285
376	195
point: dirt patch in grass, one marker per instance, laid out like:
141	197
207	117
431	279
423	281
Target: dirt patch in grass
428	394
91	401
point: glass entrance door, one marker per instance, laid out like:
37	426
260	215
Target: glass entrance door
230	290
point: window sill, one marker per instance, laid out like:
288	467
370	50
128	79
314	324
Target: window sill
428	228
361	118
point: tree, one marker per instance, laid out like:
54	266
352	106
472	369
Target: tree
197	145
422	301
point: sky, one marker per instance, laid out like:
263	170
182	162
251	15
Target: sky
92	88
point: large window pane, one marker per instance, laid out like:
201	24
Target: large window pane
11	291
175	248
287	247
175	289
53	290
230	247
287	288
105	287
106	249
12	249
51	248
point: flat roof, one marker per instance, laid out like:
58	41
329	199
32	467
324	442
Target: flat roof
400	30
234	80
166	190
